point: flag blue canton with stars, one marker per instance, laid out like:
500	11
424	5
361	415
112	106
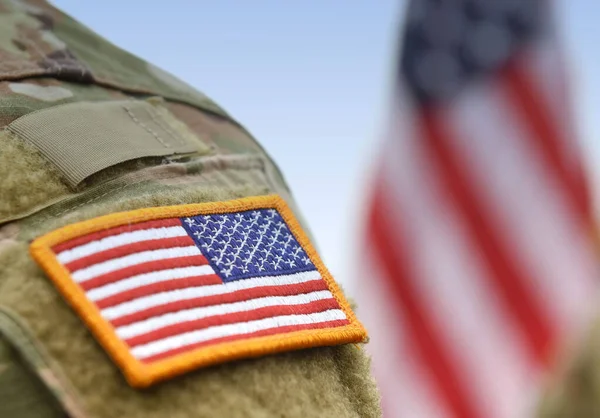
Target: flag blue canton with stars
168	290
248	244
449	44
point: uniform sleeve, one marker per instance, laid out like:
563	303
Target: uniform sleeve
90	130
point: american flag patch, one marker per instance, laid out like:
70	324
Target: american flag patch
167	290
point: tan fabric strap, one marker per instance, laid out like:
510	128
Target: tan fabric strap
84	138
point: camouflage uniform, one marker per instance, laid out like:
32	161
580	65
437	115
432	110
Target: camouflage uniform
50	366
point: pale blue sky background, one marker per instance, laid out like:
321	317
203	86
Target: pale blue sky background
310	79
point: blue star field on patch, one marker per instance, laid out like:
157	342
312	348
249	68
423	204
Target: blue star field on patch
248	244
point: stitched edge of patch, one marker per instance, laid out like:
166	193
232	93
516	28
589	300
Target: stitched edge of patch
142	375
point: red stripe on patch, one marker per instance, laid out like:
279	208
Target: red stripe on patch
232	318
237	296
76	242
142	268
150	289
127	249
262	333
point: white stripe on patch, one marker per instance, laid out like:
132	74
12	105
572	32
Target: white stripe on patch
241	328
119	240
132	260
152	324
162	298
140	280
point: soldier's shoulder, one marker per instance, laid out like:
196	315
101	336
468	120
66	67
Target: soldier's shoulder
93	138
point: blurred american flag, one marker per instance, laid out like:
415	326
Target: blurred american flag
480	266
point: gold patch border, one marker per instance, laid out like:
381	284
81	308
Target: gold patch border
142	375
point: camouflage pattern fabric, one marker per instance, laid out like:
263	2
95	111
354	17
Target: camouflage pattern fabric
50	366
38	40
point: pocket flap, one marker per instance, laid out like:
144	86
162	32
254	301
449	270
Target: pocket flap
83	138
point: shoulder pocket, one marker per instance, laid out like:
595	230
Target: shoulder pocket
51	154
81	139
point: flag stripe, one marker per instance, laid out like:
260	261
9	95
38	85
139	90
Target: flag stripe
175	284
130	260
184	315
128	249
404	382
100	235
261	333
450	279
288	308
525	202
236	296
191	294
545	68
544	135
142	281
148	267
395	263
243	328
505	273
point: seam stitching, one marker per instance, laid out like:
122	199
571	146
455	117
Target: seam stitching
164	124
164	175
145	127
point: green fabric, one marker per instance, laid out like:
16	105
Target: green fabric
83	138
32	357
18	98
21	394
22	167
38	40
48	60
115	66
